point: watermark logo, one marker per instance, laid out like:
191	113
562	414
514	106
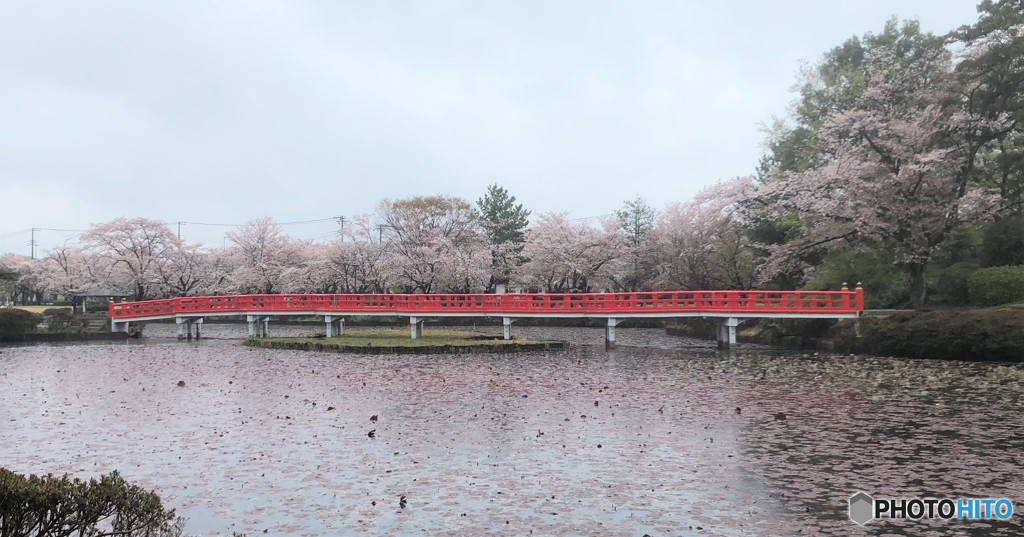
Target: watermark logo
864	508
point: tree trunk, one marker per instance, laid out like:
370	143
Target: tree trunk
918	285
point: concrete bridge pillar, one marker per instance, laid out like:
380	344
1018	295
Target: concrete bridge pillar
506	327
185	325
727	332
416	325
119	326
331	322
609	332
258	326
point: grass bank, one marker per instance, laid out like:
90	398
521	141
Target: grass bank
979	334
976	334
385	341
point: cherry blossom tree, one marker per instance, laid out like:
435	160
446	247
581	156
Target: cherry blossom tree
312	269
70	270
134	251
31	284
435	243
702	244
566	256
897	170
260	256
187	270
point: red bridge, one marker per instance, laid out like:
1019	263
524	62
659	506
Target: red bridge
732	307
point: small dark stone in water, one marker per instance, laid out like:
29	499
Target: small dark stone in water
739	410
181	383
779	416
330	408
373	418
374	502
402	501
595	403
599	445
372	434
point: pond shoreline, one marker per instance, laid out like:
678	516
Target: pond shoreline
58	337
480	347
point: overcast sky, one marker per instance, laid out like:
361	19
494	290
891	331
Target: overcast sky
225	111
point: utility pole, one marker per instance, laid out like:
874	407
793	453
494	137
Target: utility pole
32	242
341	227
179	231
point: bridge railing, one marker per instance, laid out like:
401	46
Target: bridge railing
655	302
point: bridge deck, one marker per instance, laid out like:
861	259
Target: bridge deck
744	304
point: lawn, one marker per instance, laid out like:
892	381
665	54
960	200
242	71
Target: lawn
40	309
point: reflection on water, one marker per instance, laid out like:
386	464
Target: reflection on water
658	436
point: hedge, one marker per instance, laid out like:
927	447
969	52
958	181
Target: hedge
996	285
953	283
15	322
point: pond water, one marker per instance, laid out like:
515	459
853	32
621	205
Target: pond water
661	436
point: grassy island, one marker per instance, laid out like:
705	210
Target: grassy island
395	341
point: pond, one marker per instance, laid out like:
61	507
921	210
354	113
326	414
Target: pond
660	436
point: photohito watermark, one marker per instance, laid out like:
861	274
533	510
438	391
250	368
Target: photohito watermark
864	508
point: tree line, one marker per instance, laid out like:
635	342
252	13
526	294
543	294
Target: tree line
902	156
417	245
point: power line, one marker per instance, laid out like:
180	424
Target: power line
585	218
13	233
297	222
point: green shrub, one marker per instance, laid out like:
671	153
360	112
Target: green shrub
996	285
1004	242
15	322
970	334
64	507
953	283
59	319
885	285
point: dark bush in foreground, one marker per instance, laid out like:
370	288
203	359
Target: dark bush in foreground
15	322
995	334
996	285
48	506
